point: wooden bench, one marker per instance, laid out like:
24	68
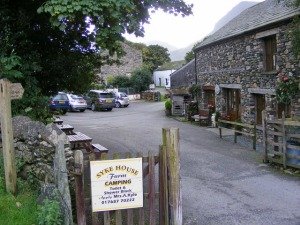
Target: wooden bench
58	121
79	139
99	149
68	129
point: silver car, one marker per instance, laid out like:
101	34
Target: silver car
121	100
77	103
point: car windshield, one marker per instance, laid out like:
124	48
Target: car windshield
106	95
60	97
123	95
76	97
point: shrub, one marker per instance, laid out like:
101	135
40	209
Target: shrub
49	213
168	104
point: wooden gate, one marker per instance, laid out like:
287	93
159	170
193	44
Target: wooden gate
281	140
161	181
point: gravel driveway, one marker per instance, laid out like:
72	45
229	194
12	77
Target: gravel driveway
222	182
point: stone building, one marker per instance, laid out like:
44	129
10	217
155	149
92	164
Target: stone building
238	65
128	63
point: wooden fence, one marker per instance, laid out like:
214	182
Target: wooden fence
162	188
237	128
278	140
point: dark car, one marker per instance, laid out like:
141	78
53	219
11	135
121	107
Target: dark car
98	99
60	102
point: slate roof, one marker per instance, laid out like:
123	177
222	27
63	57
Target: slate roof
257	16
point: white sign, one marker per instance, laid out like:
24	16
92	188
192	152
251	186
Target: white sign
117	184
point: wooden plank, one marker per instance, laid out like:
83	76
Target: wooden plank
236	123
254	137
277	133
80	203
151	186
129	211
283	140
118	214
273	143
171	141
7	138
141	215
244	133
264	136
163	187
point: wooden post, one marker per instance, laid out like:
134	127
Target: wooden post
283	140
163	187
264	136
151	185
7	137
235	133
171	141
80	205
254	137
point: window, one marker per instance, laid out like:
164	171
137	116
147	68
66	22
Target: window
260	104
270	53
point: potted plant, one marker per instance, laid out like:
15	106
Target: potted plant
168	107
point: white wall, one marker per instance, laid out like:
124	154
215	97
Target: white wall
161	77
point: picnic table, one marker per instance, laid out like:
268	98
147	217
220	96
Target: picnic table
68	129
58	121
78	139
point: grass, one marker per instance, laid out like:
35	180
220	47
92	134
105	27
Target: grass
20	209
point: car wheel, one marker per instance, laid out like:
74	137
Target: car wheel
118	105
82	110
126	105
109	109
93	107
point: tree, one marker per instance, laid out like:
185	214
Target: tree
189	56
120	81
154	56
53	40
141	79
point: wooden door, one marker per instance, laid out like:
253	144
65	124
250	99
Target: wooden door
233	100
260	105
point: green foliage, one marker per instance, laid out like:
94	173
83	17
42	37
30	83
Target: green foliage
49	213
168	104
287	88
195	90
11	214
141	79
120	81
189	56
33	104
154	56
9	67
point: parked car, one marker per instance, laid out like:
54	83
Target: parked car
98	99
60	102
77	103
121	100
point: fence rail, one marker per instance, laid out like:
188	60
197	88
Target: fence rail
236	127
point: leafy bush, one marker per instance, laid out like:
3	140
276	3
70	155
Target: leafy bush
287	88
33	104
168	104
49	213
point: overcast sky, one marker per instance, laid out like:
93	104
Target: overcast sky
181	32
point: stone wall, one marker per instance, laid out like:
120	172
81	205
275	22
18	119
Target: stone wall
128	63
35	148
239	63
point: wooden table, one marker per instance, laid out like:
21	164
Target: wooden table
68	129
58	121
79	140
